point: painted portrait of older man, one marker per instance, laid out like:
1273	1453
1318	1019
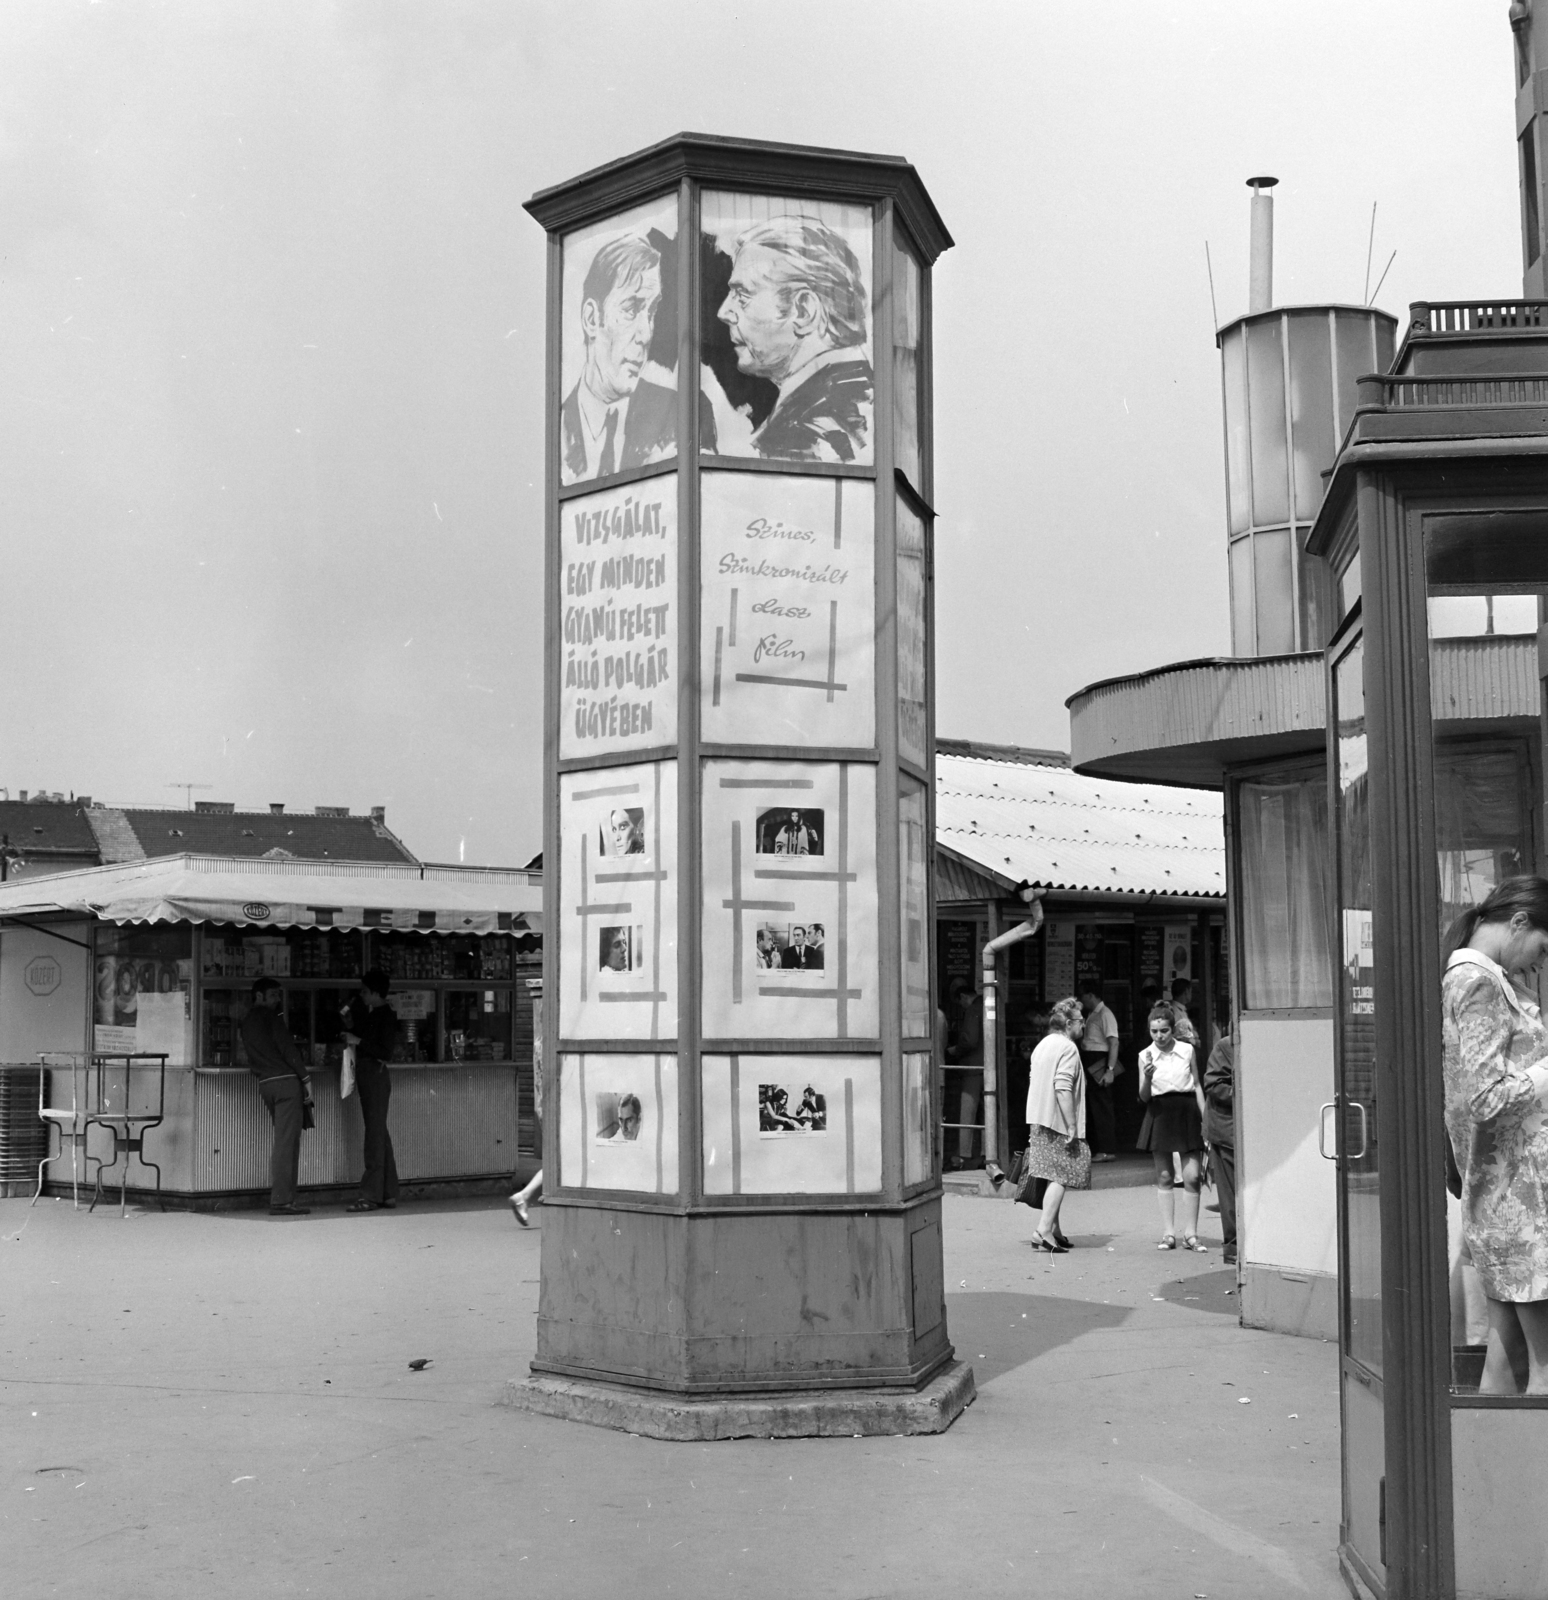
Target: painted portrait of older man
796	309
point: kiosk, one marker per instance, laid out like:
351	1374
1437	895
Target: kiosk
742	1208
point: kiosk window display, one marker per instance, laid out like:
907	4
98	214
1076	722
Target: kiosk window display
739	790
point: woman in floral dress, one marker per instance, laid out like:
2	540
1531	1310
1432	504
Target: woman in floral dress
1496	1086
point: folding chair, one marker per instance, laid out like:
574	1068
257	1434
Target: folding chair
70	1120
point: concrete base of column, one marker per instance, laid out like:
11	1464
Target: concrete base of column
788	1414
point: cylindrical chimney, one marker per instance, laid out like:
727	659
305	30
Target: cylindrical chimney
1260	292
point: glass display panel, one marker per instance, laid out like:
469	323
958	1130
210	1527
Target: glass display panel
618	349
143	985
918	1118
1242	641
1266	394
785	327
1283	828
907	368
914	909
1313	433
788	623
790	900
478	1024
1357	355
617	576
913	641
792	1124
1361	1172
618	918
1487	579
1271	561
618	1122
1233	355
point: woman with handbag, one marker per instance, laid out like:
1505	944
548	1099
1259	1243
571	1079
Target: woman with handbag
1056	1120
1174	1094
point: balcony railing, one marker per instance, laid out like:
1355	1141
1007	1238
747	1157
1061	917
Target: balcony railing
1476	316
1508	389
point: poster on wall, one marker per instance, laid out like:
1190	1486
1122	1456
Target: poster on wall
1058	960
618	1122
618	889
142	1005
792	1124
1178	956
618	350
785	327
617	576
789	900
787	651
914	911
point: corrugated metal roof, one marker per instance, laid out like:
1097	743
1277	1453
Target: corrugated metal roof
1063	830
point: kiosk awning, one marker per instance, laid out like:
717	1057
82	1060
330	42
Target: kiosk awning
288	894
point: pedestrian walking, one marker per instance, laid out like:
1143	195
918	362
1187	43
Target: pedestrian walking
373	1030
1056	1120
286	1087
1220	1133
1099	1054
1171	1085
1496	1084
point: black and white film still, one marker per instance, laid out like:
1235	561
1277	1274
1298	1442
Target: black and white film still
622	832
621	948
789	1108
790	947
790	831
619	1116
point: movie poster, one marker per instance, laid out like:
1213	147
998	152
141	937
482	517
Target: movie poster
792	1124
918	1120
618	349
790	903
618	1122
617	576
618	885
788	619
785	327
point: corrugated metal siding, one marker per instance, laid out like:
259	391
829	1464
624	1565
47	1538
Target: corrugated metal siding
446	1122
1487	677
1208	702
1056	827
956	881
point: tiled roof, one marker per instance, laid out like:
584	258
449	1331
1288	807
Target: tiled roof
258	833
1047	825
46	827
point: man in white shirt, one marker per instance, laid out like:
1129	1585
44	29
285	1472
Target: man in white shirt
1099	1052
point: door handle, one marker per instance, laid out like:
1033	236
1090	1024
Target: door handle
1359	1155
1322	1131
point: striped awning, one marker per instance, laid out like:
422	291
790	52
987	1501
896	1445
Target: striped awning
287	894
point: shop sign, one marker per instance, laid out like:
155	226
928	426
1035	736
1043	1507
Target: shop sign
42	975
256	911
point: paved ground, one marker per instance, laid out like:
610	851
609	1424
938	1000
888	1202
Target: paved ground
222	1406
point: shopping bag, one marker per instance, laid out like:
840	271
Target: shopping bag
347	1073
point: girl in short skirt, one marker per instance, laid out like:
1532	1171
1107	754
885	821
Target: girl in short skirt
1170	1083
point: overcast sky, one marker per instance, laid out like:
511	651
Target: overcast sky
271	341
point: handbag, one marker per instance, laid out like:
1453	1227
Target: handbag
308	1119
347	1073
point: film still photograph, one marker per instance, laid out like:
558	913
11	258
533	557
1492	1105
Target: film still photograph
786	327
619	1115
791	831
621	948
783	1109
789	946
622	832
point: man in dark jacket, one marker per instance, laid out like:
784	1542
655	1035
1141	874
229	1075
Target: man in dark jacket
373	1029
286	1088
1220	1130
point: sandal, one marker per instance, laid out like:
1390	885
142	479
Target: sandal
363	1205
1191	1242
1168	1242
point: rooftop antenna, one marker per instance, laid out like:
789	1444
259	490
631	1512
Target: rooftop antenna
1383	278
1260	294
1370	244
188	789
1209	266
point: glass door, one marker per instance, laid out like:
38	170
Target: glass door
1353	1120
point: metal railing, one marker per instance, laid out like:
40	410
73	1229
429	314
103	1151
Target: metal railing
1475	316
1405	391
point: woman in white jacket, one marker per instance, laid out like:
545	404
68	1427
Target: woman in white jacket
1056	1119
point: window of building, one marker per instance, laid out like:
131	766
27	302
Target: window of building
1282	826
